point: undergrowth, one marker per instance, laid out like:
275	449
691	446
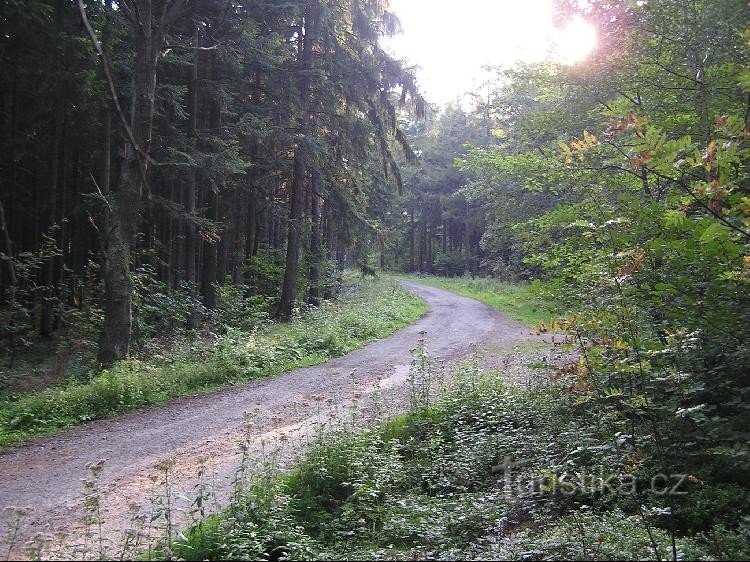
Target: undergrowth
489	471
366	312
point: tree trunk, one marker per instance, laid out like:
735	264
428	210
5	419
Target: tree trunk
423	246
191	186
331	244
316	254
252	226
251	237
211	266
467	240
428	231
289	286
210	257
296	194
48	276
411	240
8	257
114	343
701	97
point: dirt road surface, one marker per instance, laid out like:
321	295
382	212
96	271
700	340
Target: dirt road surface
46	474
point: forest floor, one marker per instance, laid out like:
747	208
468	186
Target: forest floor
195	443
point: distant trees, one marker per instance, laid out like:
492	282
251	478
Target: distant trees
433	227
665	66
237	132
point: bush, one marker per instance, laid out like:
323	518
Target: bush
262	348
237	308
156	309
473	476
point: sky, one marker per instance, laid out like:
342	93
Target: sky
451	40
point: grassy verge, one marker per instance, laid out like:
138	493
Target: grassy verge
490	472
516	300
366	312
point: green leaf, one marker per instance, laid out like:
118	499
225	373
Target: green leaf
675	218
716	232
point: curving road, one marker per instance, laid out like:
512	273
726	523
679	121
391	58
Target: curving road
46	473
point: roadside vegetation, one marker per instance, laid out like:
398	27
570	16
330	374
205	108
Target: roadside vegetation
244	344
610	198
518	300
491	471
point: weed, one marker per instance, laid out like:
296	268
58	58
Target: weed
487	471
369	311
517	300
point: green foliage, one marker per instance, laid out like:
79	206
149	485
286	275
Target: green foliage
587	535
369	311
520	301
448	264
490	471
236	310
622	184
17	319
156	308
265	272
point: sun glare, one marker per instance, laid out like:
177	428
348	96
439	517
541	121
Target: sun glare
576	41
453	42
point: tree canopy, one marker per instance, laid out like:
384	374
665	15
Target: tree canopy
189	142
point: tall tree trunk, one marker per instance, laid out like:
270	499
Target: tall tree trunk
331	244
428	232
316	254
701	96
48	275
251	238
8	131
467	239
239	233
211	265
191	186
296	194
8	256
294	237
210	257
107	151
412	227
251	233
114	343
422	246
62	232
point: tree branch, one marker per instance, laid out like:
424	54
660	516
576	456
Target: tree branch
703	205
670	71
140	153
135	13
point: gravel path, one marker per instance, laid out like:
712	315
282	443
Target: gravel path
205	429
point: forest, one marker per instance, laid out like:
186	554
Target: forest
212	143
192	193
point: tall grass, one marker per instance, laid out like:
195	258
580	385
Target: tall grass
368	311
489	471
519	301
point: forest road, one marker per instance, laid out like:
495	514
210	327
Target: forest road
46	473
